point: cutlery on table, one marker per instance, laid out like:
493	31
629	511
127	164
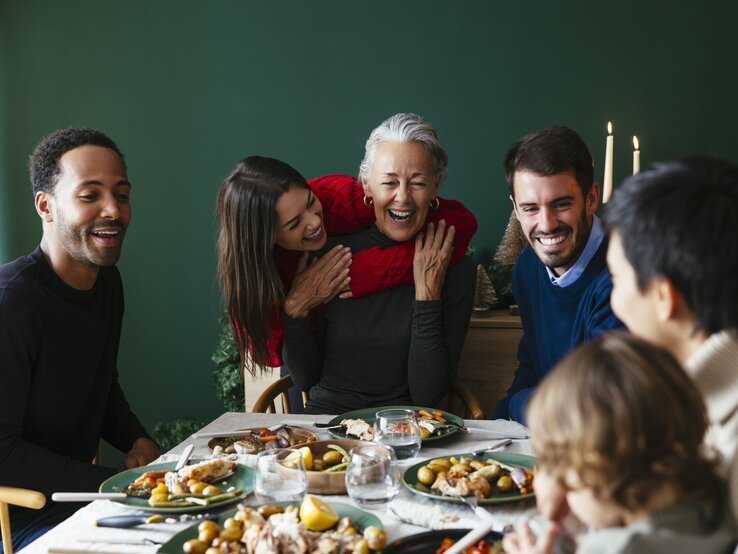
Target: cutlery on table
497	434
325	425
126	522
184	457
87	496
494	446
228	433
473	502
170	478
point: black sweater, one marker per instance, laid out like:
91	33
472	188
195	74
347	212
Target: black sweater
384	349
59	391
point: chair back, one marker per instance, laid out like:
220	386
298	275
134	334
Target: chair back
267	402
17	497
462	402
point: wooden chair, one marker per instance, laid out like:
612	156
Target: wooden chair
17	497
461	401
265	404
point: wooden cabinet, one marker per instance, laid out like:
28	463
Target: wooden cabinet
489	358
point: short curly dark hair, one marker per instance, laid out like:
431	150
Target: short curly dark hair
43	164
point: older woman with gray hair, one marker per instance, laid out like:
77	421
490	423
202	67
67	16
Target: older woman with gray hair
401	345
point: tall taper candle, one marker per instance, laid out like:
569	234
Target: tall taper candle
607	179
636	156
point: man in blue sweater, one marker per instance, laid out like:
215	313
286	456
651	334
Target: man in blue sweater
560	281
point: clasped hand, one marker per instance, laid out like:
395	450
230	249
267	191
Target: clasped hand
318	282
432	257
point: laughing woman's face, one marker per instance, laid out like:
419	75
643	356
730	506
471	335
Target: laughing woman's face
300	220
402	183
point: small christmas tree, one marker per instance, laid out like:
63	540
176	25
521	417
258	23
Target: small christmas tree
513	242
484	295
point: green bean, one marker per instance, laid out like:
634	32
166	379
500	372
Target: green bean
338	467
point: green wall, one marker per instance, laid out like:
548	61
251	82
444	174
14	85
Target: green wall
189	87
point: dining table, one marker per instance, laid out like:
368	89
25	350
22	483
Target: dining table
401	518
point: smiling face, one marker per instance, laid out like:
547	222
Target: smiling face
300	220
554	216
402	183
87	212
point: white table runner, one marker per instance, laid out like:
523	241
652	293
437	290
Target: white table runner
78	533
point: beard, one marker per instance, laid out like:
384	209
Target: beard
79	244
567	258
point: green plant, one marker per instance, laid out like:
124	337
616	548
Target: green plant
169	434
501	277
228	374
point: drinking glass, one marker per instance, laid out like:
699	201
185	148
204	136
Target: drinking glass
399	429
280	476
372	475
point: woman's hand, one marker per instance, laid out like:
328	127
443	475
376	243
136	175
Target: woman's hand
319	282
432	257
522	541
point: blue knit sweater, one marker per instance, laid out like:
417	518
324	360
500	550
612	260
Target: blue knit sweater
555	320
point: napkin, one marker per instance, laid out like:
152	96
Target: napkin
503	428
434	514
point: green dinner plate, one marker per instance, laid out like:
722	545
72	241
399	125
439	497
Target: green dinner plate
368	414
361	519
241	479
410	478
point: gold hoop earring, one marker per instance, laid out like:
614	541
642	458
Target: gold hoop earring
435	203
368	200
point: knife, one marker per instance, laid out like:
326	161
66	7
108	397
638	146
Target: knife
184	457
232	432
126	522
87	496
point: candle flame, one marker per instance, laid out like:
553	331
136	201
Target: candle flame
635	142
609	128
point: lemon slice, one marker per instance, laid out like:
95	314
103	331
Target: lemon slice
317	514
305	453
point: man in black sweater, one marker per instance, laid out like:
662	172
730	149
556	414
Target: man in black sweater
61	309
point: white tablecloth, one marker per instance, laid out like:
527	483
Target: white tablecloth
78	533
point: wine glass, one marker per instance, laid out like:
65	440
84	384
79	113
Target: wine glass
372	475
399	429
280	476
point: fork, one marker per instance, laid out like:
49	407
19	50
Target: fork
473	502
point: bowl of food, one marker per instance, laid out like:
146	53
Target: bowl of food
325	462
253	441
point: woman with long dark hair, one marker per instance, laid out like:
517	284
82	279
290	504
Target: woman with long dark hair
270	217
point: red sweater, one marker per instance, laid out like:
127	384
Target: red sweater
373	269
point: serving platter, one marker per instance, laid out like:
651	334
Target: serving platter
242	478
430	541
299	436
410	478
369	414
361	519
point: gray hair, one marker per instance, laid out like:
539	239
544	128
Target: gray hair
405	127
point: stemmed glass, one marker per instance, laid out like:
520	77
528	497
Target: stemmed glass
372	475
280	476
399	429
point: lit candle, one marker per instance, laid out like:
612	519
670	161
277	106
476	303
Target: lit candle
636	156
607	179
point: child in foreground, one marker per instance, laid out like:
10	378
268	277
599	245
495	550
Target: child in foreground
618	426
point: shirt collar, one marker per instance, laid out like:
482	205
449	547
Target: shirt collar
596	234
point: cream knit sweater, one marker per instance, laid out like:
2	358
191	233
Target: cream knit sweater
714	367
